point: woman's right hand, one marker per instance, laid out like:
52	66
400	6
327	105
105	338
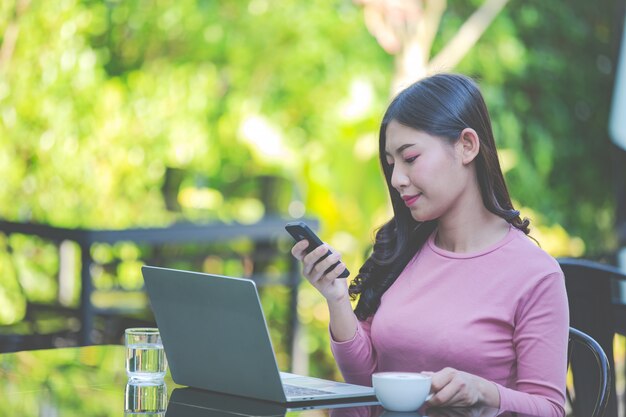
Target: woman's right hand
332	288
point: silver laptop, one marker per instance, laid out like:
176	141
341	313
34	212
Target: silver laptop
216	338
192	402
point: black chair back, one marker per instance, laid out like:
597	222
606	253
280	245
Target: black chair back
603	372
590	287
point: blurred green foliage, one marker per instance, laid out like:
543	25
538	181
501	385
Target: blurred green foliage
143	112
547	74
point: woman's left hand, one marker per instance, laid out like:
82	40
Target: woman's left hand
453	388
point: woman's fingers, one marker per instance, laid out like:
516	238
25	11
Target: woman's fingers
299	249
323	265
333	273
318	267
338	270
311	260
315	255
442	388
450	395
451	387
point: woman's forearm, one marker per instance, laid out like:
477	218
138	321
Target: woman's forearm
343	322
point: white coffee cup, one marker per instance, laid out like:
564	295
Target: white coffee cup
401	391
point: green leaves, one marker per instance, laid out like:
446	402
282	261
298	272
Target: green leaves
136	113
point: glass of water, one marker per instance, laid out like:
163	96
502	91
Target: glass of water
145	398
145	357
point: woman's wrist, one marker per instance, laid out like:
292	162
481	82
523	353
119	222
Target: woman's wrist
340	302
340	308
489	393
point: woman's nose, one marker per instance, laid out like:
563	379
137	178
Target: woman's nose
399	179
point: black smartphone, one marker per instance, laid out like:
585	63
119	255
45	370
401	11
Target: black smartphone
300	231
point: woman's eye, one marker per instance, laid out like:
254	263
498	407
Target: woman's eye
411	159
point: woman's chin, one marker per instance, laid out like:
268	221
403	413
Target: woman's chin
421	217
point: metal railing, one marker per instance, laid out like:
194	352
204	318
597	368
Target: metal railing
265	235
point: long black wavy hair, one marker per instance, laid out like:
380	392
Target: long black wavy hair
441	105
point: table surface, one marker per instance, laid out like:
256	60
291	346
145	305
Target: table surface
91	381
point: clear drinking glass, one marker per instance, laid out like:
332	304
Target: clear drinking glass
145	357
145	398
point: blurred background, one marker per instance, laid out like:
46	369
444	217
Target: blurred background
127	114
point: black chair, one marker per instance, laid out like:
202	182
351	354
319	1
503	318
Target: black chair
595	309
603	373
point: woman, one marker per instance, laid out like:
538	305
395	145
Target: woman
453	287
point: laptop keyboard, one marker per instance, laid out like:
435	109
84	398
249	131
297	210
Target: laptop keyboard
295	391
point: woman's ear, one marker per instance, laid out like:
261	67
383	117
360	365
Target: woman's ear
469	145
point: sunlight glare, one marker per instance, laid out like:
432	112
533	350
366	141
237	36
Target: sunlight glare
359	101
264	138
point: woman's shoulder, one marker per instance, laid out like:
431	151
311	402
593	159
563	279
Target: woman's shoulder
526	254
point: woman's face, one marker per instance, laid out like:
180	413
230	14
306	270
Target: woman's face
427	171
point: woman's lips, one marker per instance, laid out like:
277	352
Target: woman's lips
410	200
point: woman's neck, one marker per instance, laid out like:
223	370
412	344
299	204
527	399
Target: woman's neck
471	232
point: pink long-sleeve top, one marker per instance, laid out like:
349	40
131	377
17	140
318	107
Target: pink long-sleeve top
501	314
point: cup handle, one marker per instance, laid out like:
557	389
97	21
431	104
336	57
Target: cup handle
428	397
